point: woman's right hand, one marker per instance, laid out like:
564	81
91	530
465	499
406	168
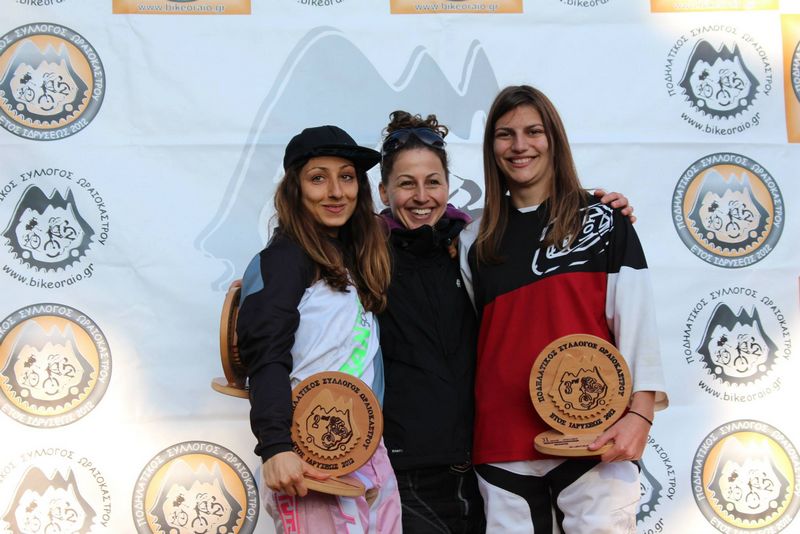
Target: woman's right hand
284	473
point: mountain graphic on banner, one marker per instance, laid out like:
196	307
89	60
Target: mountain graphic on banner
353	95
717	81
47	368
737	346
48	232
727	213
38	496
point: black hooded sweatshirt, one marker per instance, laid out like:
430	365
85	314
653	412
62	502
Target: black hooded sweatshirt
428	338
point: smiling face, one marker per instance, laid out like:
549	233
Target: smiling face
329	191
416	190
522	153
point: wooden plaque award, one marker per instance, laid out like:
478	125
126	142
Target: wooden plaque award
336	427
336	423
580	385
235	381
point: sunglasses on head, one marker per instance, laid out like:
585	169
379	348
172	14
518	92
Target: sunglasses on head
399	138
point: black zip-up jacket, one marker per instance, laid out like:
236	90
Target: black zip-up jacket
428	340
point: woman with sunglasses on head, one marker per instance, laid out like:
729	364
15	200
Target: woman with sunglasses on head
306	301
428	334
547	260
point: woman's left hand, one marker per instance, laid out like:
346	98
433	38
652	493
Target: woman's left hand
630	437
630	432
616	200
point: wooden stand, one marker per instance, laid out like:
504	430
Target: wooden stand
235	381
558	444
220	385
345	486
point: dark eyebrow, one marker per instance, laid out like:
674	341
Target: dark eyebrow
399	176
346	165
509	128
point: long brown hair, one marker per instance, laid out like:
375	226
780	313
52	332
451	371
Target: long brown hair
566	195
400	120
364	254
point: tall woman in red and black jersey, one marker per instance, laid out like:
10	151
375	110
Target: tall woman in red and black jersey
544	261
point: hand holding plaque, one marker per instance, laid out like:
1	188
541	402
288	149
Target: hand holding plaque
580	385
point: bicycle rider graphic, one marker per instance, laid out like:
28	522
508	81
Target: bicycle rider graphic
720	88
200	506
49	374
59	236
735	347
730	219
47	90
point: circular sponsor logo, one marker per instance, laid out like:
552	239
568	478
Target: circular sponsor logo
55	365
728	210
52	489
719	71
744	478
795	71
658	485
737	335
53	82
50	219
195	486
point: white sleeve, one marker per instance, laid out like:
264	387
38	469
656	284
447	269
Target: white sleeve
465	241
630	310
630	313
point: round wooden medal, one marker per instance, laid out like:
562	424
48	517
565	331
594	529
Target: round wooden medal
235	380
336	427
580	385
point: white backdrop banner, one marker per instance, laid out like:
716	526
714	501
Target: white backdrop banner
140	145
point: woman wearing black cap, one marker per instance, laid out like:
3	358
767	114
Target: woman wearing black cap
307	305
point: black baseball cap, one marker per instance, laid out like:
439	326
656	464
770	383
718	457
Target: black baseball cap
328	141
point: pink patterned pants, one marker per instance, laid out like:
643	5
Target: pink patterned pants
319	513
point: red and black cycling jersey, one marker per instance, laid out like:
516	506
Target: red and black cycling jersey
599	285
